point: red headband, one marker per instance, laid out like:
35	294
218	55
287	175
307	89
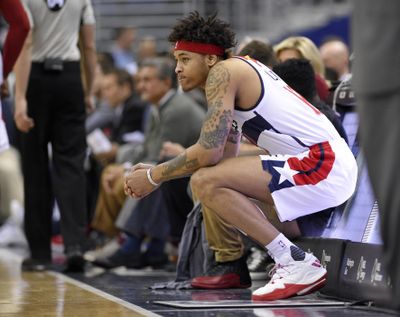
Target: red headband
200	48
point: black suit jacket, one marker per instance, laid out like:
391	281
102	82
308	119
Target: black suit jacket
131	119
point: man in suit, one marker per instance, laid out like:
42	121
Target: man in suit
128	111
174	117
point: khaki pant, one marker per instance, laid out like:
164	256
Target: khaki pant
226	241
223	239
108	207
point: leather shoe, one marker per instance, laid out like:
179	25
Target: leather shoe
233	274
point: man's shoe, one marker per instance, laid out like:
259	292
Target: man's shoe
299	277
233	274
74	260
108	249
33	265
119	258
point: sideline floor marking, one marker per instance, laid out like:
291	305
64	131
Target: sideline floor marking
105	295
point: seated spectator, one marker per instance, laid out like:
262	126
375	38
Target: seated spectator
303	47
120	115
121	50
175	118
147	48
128	112
336	57
259	50
11	188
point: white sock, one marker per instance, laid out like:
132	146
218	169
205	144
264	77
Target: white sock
280	249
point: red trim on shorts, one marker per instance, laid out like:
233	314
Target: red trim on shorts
314	168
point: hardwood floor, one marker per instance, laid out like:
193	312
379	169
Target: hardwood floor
53	294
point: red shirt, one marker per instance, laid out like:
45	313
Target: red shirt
14	13
322	88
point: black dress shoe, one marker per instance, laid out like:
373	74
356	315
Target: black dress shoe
74	260
233	274
34	265
119	258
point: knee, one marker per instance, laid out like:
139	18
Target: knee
202	184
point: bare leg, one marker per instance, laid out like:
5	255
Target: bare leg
226	188
289	228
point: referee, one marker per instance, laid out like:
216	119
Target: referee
50	112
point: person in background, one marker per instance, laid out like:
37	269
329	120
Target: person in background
11	188
129	112
147	48
121	119
297	73
50	108
174	118
303	47
14	13
259	50
121	50
335	55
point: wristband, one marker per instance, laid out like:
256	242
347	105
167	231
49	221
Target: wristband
151	181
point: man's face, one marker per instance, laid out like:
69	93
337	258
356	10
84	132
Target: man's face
192	69
150	86
112	92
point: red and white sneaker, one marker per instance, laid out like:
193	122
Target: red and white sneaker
295	278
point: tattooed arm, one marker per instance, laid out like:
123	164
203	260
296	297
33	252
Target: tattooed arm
209	149
232	145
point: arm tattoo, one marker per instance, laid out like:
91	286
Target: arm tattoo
234	136
180	162
217	124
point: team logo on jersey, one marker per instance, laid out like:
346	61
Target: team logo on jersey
309	170
55	5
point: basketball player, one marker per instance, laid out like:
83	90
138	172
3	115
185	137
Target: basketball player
308	168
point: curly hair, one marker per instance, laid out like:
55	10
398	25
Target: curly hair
298	74
210	30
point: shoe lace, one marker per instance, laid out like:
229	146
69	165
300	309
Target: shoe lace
277	272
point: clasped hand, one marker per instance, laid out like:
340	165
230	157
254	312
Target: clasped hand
136	183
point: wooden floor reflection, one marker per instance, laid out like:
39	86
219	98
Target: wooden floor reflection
52	294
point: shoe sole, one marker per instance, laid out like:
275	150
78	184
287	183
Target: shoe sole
234	282
292	290
220	286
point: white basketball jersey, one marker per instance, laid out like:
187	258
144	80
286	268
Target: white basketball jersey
282	121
